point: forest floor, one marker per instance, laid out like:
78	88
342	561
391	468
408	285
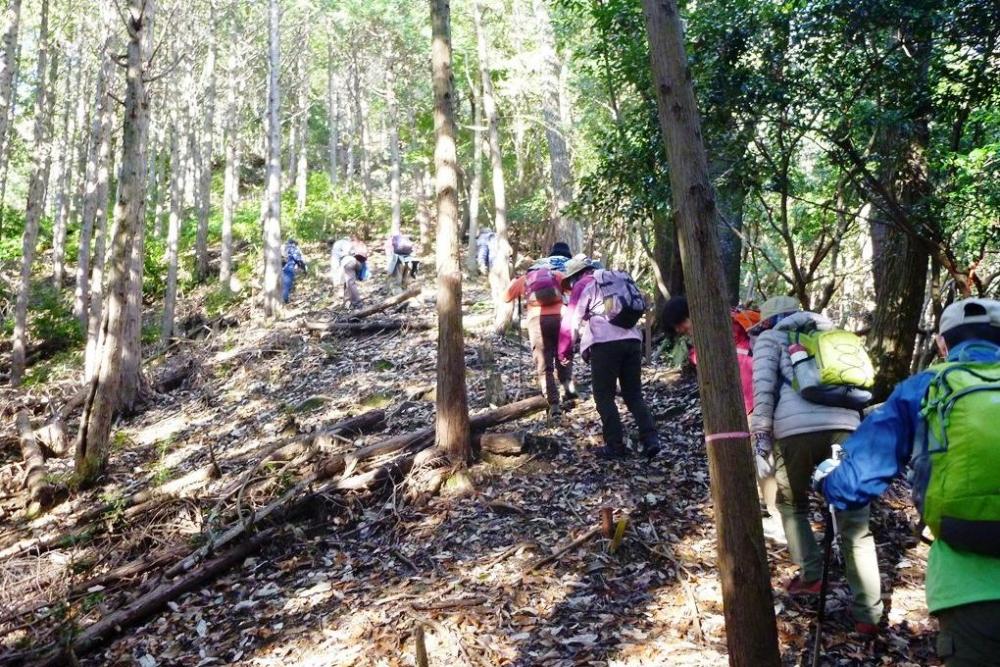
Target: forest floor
346	578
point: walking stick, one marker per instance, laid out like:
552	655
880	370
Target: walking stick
829	540
520	351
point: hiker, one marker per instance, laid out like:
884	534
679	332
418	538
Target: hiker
348	265
541	288
791	436
607	305
485	249
677	318
944	417
293	262
401	264
557	258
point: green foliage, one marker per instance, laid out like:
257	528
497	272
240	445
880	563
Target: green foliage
52	315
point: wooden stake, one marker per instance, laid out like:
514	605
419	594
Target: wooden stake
418	636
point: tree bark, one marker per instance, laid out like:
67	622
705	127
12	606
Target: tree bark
272	222
452	419
500	267
173	236
8	64
104	396
205	159
64	181
563	227
40	163
746	586
302	123
395	166
231	188
39	491
476	186
333	110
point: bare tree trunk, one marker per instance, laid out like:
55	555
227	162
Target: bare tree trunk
351	163
302	122
359	127
333	109
231	186
272	222
205	161
90	284
452	420
476	186
423	209
65	169
41	161
8	64
395	167
500	267
104	392
563	227
173	234
746	584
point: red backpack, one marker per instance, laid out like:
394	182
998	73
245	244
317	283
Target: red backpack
543	286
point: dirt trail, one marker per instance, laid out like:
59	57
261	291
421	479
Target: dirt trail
346	581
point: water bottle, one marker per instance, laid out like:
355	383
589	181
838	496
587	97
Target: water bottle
804	366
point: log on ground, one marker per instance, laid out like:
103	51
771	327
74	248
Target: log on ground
40	492
376	326
411	293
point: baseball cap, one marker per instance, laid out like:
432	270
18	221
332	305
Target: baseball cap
970	311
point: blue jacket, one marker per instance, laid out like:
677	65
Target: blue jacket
879	450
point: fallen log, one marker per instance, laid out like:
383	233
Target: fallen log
153	601
40	493
350	328
509	444
411	293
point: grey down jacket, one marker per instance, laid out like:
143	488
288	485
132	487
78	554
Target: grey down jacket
777	407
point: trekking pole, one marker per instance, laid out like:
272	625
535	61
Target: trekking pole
829	545
520	351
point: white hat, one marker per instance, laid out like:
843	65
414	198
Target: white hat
970	311
778	305
576	265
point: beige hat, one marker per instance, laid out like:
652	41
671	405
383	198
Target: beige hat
574	266
971	311
777	305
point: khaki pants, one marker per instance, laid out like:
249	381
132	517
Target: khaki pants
796	458
349	275
970	635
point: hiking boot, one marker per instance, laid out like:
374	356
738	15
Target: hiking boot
569	392
774	530
799	587
651	447
607	453
555	411
866	630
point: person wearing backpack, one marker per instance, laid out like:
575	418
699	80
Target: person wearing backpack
791	435
294	261
485	250
401	264
676	317
348	265
942	423
604	307
541	288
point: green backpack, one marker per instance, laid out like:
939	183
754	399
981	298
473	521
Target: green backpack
956	467
834	369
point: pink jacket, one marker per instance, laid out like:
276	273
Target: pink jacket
583	298
743	359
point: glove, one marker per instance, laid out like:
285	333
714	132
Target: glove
762	442
765	464
822	470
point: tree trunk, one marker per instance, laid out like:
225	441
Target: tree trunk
272	222
731	202
746	585
333	110
205	160
40	163
359	128
563	227
395	167
64	181
452	419
104	393
173	235
476	186
423	209
231	186
90	284
8	64
500	267
302	123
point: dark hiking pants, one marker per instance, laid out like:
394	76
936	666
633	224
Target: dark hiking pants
970	635
619	361
543	331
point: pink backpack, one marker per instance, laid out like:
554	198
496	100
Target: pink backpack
543	286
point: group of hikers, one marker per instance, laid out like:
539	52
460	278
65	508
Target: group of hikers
805	388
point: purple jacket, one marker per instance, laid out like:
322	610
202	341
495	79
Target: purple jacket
584	299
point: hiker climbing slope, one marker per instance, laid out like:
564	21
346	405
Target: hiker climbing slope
401	263
541	288
943	420
791	436
348	265
294	262
604	307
